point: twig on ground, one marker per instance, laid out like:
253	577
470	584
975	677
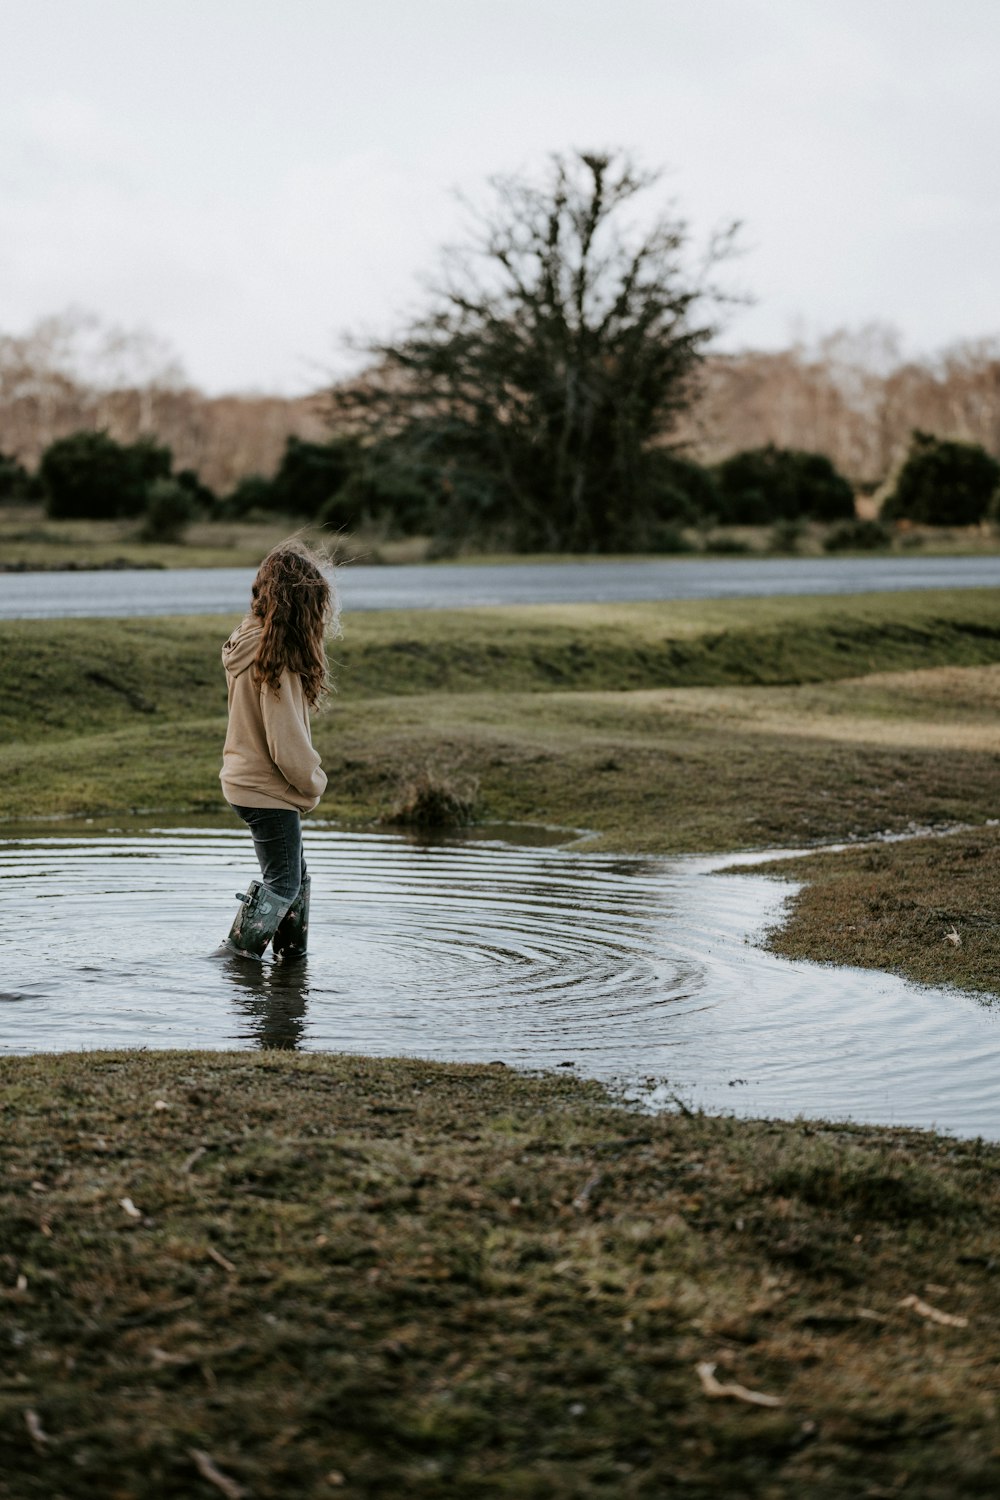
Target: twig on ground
220	1259
933	1314
224	1482
713	1387
582	1198
37	1433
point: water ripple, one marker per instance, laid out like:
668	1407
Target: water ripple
639	970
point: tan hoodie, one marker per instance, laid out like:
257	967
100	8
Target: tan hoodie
268	759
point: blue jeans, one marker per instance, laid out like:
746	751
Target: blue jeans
277	839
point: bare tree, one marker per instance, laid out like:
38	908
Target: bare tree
559	345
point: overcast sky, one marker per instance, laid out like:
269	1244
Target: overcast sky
249	178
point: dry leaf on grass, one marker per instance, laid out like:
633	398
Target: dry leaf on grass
953	937
713	1387
130	1208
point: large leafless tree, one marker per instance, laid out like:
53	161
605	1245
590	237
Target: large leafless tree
557	349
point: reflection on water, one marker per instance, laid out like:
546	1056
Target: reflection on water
636	970
271	997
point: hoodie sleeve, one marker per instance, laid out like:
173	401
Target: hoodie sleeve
289	742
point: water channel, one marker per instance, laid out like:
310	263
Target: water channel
640	971
181	591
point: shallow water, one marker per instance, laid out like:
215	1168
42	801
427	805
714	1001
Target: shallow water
637	970
177	591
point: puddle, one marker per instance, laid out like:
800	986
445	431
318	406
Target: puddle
639	971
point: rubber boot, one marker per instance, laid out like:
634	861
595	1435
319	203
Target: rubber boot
256	921
292	933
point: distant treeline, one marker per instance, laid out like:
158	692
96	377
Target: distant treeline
348	487
768	439
851	396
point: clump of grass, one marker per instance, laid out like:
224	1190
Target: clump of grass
786	536
925	907
858	536
724	544
435	799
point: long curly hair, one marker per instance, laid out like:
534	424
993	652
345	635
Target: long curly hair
297	608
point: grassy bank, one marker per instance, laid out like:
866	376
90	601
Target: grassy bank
30	540
305	1275
276	1275
667	727
929	909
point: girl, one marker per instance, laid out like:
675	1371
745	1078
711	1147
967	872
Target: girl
275	662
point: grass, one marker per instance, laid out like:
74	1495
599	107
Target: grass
666	728
29	540
928	909
637	720
283	1275
326	1274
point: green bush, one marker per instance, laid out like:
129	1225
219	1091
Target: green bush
388	489
763	485
943	483
204	498
786	536
681	491
88	475
251	496
670	538
170	509
857	536
15	482
311	474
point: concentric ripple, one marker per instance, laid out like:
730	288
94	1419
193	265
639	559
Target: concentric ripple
638	970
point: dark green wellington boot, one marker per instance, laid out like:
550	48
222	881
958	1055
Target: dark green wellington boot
292	933
256	922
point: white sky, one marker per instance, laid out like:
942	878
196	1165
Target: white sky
249	178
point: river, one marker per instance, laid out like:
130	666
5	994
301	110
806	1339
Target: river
225	591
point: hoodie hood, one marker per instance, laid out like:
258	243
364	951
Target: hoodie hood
241	648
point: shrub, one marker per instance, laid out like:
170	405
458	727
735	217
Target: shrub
721	545
762	485
252	494
857	536
310	474
204	498
391	491
943	483
786	536
89	475
681	491
669	538
170	509
15	481
432	799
